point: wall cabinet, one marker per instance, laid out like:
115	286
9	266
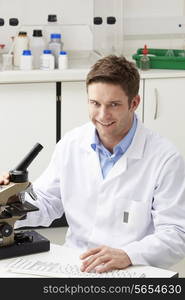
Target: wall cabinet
27	116
163	108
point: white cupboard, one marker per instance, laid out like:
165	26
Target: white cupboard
163	108
27	116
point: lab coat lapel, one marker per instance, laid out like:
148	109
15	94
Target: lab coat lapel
119	167
92	159
93	164
134	152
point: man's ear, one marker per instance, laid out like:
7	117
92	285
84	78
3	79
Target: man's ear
134	103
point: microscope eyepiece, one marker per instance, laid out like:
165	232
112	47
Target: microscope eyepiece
20	173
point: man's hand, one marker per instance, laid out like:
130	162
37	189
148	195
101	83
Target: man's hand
104	259
5	178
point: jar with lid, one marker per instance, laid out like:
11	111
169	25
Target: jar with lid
26	60
55	45
63	60
47	60
37	45
21	42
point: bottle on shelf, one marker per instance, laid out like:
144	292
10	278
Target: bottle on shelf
110	36
1	51
37	45
21	42
47	60
63	60
52	26
26	60
55	45
98	35
1	22
14	27
145	60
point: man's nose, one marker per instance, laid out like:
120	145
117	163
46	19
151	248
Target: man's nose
103	112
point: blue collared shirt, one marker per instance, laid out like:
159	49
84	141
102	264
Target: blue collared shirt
108	159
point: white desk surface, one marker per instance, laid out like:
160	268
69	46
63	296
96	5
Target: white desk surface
66	255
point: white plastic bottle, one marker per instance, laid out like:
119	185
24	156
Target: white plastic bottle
47	60
55	45
26	60
21	42
37	45
63	60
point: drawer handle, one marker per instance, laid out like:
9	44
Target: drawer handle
156	103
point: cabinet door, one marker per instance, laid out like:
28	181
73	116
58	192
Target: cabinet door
74	110
164	107
27	116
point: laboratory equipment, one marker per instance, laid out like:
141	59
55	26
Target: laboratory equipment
13	207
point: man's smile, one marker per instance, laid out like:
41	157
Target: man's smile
106	124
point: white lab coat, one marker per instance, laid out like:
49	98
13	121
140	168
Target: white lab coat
147	185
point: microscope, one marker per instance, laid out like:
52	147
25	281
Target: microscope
13	207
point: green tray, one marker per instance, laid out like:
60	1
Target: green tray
161	60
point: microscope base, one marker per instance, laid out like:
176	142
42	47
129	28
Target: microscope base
33	243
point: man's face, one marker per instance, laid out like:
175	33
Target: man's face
109	110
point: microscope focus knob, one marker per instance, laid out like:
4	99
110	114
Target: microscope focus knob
6	230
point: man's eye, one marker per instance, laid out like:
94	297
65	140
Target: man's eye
114	104
95	103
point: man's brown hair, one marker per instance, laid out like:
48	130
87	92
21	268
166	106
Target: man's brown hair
116	70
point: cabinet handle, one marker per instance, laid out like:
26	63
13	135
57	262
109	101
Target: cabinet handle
156	103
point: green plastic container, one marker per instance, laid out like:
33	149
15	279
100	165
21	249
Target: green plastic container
162	61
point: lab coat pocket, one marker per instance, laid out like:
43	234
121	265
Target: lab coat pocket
131	219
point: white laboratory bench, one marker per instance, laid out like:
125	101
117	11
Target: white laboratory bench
57	236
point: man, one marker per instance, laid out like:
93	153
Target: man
121	186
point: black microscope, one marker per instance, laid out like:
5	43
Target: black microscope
13	207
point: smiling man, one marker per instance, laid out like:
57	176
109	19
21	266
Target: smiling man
121	186
110	112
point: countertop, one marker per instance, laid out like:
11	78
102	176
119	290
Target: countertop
79	66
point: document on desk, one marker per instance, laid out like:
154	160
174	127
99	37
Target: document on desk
65	262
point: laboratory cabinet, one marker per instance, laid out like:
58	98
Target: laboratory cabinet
27	117
163	108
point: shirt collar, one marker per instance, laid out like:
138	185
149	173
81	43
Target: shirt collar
123	144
